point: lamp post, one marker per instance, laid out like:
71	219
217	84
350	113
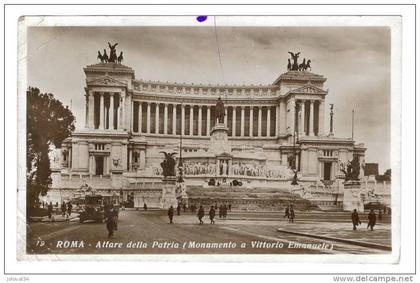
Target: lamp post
180	165
295	136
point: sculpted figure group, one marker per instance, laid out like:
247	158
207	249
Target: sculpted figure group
306	64
112	55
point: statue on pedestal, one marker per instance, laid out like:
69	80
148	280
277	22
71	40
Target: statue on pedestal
168	165
351	169
220	111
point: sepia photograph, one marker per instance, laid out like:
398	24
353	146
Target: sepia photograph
207	138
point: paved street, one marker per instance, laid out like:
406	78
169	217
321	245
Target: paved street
244	233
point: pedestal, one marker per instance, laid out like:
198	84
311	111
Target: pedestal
219	143
168	192
181	193
352	196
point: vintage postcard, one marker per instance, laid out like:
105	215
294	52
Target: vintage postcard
213	135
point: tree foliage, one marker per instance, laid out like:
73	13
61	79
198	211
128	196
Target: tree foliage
48	124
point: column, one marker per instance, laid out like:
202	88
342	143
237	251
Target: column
91	172
165	119
311	119
277	119
242	121
101	112
226	117
148	117
174	119
140	116
199	119
208	120
157	118
251	121
259	120
111	111
292	122
132	116
321	118
182	119
302	118
234	121
268	120
130	160
191	120
123	113
106	160
142	161
91	116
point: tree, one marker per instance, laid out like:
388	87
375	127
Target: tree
48	123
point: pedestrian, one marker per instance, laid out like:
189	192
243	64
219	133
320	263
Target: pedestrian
200	214
286	213
225	209
221	211
115	217
171	214
178	209
63	209
372	219
50	210
230	207
292	214
380	214
110	222
69	208
212	214
184	207
355	219
145	206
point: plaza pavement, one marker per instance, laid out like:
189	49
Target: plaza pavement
149	226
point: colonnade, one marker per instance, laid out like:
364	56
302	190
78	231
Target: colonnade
105	111
310	117
197	120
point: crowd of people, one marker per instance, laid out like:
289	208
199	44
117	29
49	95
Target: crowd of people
222	209
66	209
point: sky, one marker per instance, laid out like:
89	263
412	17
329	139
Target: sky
355	61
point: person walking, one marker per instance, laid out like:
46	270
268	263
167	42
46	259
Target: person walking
145	206
50	210
372	219
171	214
212	214
178	209
63	209
184	207
69	208
286	213
292	214
221	211
355	219
110	222
200	214
380	215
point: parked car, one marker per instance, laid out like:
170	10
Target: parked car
93	209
